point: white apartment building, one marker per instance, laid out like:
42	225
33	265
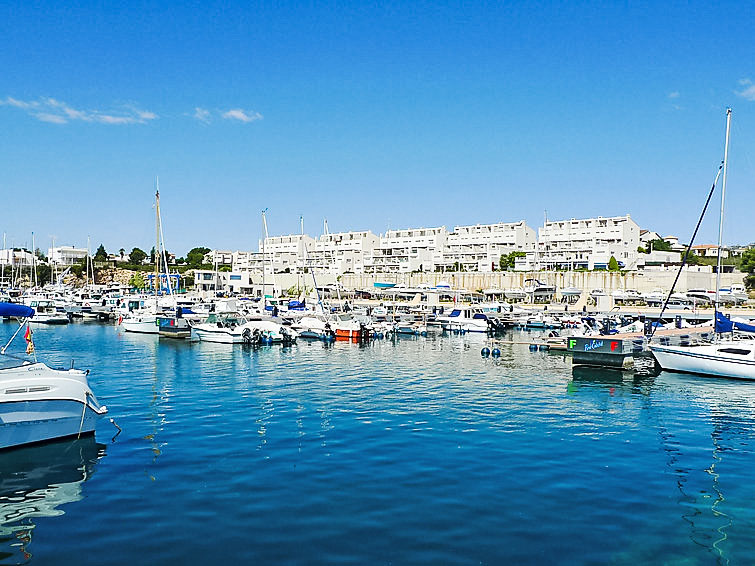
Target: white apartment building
404	251
586	243
208	281
480	247
342	252
219	257
66	255
285	254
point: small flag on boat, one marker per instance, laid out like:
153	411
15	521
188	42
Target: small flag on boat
29	341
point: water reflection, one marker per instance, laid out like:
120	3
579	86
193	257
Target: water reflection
35	482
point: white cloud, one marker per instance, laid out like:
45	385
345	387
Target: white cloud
58	112
202	115
242	115
674	94
748	89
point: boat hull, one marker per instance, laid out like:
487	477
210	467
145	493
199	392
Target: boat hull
704	360
39	403
217	337
27	422
141	325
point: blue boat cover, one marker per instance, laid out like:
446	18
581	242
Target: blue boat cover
723	324
11	309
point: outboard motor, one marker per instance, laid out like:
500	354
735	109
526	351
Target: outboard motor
288	339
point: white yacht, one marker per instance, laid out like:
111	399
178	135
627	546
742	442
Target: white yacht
38	402
45	312
464	319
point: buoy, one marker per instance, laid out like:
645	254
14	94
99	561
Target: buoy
496	353
485	352
423	333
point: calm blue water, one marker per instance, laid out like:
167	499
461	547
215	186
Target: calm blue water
414	452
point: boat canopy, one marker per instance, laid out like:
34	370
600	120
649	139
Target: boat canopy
11	309
723	324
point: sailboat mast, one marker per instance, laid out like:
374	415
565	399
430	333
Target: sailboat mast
157	233
2	265
89	260
34	260
264	260
723	198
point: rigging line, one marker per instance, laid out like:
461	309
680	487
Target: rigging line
689	247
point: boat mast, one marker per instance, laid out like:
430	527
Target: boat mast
86	270
2	265
723	198
157	235
164	252
264	260
34	261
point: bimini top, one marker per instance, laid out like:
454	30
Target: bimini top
11	309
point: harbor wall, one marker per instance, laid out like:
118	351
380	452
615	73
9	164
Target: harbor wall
609	281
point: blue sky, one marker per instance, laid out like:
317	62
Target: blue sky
373	115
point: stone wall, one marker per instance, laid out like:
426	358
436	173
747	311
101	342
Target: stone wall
586	280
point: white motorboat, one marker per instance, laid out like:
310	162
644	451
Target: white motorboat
515	294
314	327
141	323
223	328
45	312
38	402
539	291
464	319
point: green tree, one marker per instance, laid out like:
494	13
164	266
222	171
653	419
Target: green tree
137	256
195	257
100	254
613	265
137	279
747	262
44	274
694	259
659	246
508	261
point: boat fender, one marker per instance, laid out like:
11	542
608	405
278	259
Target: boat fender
485	352
496	353
533	347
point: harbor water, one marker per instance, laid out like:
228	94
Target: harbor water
413	451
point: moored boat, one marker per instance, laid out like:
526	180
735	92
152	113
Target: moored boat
38	402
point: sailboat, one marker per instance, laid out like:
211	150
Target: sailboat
728	355
152	320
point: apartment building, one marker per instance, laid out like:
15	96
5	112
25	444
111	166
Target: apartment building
585	244
479	247
66	255
342	252
404	251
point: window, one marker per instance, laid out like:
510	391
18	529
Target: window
737	351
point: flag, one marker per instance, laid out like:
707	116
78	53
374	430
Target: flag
29	341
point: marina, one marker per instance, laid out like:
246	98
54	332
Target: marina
401	284
414	450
